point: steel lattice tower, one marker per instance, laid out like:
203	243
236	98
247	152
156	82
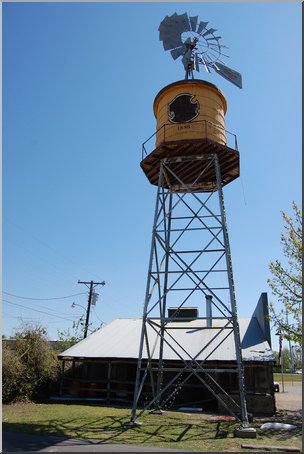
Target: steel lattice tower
190	264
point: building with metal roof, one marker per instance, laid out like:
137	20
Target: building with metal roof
120	339
104	364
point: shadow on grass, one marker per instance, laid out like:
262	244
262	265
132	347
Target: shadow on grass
169	430
109	429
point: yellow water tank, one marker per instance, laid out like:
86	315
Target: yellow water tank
190	109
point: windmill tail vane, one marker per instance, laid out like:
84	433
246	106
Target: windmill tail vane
197	45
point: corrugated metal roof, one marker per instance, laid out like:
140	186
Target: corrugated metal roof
121	338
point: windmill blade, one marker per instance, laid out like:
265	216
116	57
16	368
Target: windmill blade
214	65
196	62
186	58
172	39
181	22
232	76
211	63
168	26
178	23
175	54
163	35
217	58
178	52
202	26
209	32
165	24
218	49
214	37
205	64
171	44
193	22
222	53
185	22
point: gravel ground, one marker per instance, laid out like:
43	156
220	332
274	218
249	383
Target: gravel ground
290	399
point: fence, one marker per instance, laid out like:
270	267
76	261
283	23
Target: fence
202	129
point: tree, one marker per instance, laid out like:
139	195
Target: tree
296	352
286	283
69	339
31	367
285	355
38	358
12	371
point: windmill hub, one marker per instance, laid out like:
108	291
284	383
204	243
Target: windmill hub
200	47
191	45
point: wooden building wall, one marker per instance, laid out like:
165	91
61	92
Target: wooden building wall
112	381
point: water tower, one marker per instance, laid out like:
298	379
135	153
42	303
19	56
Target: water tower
190	309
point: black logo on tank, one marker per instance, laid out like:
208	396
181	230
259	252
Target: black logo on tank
182	109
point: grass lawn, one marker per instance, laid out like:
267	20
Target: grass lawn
191	431
288	378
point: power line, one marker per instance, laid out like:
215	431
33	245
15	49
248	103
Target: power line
111	307
26	277
38	257
43	307
44	299
48	246
52	264
36	310
32	274
120	292
97	315
35	266
8	315
56	253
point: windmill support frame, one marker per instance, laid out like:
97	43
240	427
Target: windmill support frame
172	265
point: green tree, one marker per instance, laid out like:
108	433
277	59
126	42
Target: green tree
296	352
31	367
12	371
286	282
68	338
285	355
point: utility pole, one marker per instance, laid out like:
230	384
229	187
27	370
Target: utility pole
89	302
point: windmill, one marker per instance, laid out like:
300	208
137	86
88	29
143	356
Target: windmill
197	45
190	258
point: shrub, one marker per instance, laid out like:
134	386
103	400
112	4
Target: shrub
31	367
12	370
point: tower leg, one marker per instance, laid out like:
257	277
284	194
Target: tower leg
138	386
236	330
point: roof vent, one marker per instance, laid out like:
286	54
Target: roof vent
183	312
209	311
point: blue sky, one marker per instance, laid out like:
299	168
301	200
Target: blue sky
79	81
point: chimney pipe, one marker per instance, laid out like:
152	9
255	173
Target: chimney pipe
208	311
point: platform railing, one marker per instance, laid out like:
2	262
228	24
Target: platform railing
207	130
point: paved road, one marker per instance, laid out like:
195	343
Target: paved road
18	442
